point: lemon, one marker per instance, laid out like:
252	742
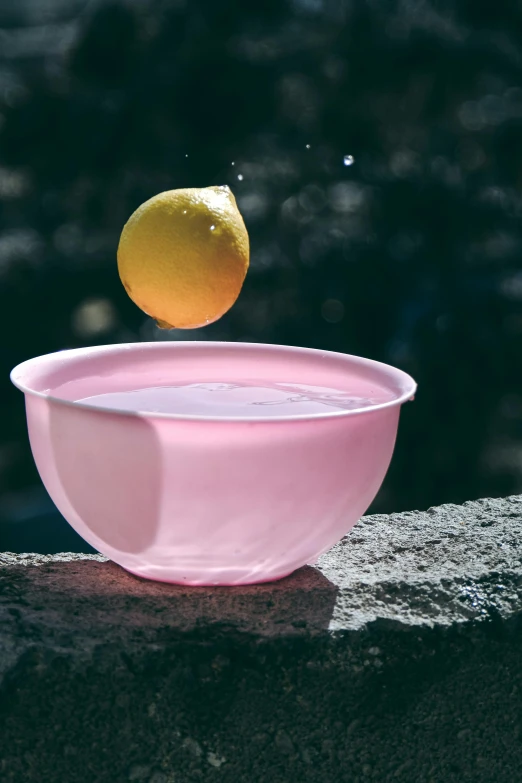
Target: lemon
183	256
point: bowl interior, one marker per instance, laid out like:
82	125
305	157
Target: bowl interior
75	374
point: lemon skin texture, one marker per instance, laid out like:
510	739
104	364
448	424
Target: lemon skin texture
183	256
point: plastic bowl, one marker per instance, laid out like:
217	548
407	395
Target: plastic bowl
205	500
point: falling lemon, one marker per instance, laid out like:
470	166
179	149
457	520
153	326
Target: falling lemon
183	256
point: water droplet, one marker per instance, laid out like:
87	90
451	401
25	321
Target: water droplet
233	163
307	146
348	160
186	155
184	211
212	228
240	177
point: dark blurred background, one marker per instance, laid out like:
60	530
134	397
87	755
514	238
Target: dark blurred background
375	150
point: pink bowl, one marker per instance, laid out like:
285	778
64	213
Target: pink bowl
200	500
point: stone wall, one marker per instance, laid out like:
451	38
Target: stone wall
397	658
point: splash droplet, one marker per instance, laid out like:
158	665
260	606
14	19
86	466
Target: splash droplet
240	177
186	155
307	146
233	163
212	228
184	211
348	160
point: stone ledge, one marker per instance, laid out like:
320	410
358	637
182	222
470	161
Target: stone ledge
396	658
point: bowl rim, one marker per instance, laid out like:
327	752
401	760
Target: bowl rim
407	383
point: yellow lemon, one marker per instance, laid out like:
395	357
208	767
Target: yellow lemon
183	256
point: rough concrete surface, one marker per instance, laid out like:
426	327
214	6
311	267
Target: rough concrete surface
397	658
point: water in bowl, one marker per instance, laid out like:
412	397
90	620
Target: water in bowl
238	399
